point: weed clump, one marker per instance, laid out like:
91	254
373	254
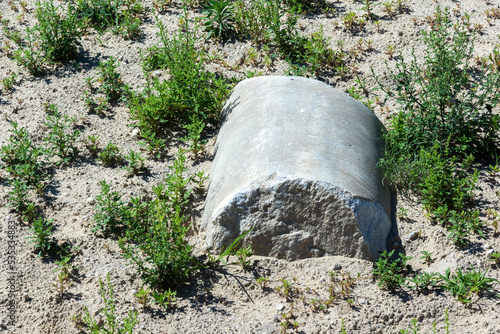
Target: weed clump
445	124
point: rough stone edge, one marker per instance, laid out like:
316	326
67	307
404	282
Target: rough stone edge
351	202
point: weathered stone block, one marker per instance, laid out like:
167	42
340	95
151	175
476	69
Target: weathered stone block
296	161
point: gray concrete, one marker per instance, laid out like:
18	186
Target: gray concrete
296	160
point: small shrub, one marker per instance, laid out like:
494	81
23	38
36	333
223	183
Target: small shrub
165	299
59	33
463	285
121	16
111	324
135	163
219	19
111	213
155	238
111	83
191	92
42	231
391	274
92	145
110	155
60	138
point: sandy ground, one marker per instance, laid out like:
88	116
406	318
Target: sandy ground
227	300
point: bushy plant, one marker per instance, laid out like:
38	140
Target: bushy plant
191	91
121	16
59	33
219	19
60	138
464	285
111	82
111	324
445	123
442	101
111	213
110	155
391	273
42	231
22	159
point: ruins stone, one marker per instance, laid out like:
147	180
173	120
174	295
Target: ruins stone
296	162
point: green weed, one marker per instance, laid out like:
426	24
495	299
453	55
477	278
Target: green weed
92	145
155	235
219	19
391	274
110	155
111	213
190	93
8	82
111	324
135	163
111	83
462	285
62	281
166	299
445	123
142	296
60	139
42	231
120	16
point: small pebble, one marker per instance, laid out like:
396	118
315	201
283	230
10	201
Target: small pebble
413	235
280	307
337	266
487	246
91	201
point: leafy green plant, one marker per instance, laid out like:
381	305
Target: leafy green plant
391	274
155	236
195	128
427	256
120	16
494	257
18	198
111	213
60	138
190	93
111	324
368	8
21	157
219	19
318	305
262	281
166	299
110	155
58	33
9	81
62	281
135	163
242	255
111	83
462	285
142	296
285	289
424	282
42	231
445	123
92	145
228	251
31	55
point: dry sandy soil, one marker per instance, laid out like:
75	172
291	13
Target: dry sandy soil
226	300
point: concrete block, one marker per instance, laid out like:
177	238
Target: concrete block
296	161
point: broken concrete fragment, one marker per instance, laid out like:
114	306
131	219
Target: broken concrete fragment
296	161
